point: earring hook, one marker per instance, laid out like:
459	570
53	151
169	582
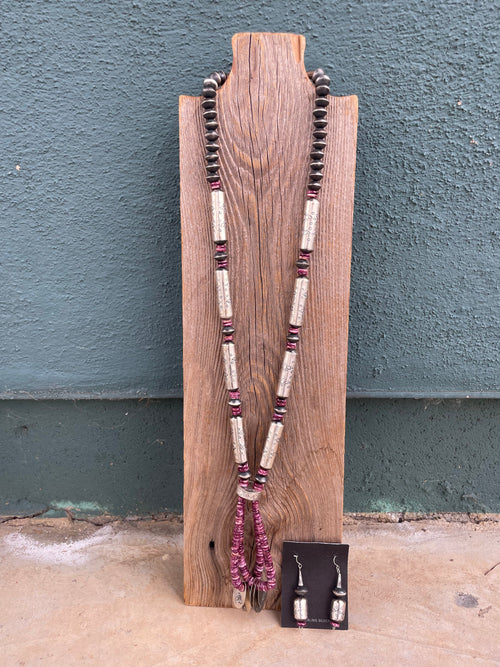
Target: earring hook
337	566
299	564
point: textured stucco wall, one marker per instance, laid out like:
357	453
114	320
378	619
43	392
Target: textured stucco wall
90	252
125	457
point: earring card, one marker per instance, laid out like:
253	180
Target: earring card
320	578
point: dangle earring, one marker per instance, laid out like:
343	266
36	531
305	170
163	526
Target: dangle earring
337	610
300	602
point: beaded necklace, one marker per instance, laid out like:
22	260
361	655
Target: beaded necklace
263	577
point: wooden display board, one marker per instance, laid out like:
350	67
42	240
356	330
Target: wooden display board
265	126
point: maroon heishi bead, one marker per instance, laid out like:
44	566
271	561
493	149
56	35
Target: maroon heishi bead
236	412
282	401
215	185
277	417
312	194
227	338
300	272
235	395
293	330
301	624
304	254
290	346
227	323
222	263
221	247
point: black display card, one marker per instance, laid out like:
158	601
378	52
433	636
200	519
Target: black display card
320	578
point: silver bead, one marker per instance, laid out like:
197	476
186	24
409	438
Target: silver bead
300	609
230	374
218	216
271	445
223	294
311	211
239	448
286	376
299	301
337	611
248	494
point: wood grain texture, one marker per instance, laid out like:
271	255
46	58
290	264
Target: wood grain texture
265	117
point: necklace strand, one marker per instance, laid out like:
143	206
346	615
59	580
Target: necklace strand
241	576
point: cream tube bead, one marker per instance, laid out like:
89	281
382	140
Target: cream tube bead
300	609
223	294
299	301
240	450
218	216
271	445
286	373
311	211
230	373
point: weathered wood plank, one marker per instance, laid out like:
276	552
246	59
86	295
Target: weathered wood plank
265	117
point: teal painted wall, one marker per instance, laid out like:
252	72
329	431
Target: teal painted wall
125	457
90	304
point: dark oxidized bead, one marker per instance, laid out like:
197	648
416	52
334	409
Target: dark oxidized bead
319	144
319	133
234	402
323	80
211	157
246	474
321	101
317	72
222	75
208	93
320	122
209	114
213	167
301	264
227	331
213	178
211	136
292	338
209	83
216	77
280	409
212	147
317	155
317	166
301	591
261	478
219	256
211	125
208	104
315	176
319	113
314	185
322	91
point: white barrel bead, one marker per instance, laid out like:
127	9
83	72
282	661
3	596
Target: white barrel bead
218	216
299	301
337	610
311	211
286	376
229	354
271	445
240	450
223	294
300	609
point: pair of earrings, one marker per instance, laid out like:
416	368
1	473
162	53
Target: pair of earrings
337	608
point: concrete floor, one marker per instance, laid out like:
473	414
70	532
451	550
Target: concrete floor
421	593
